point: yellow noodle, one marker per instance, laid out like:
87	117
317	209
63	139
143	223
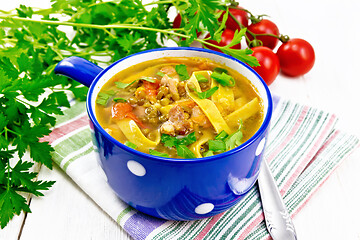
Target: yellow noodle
133	133
243	113
207	106
195	147
223	97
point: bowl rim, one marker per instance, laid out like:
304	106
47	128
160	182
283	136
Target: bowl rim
258	133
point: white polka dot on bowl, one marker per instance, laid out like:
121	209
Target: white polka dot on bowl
260	147
204	208
136	168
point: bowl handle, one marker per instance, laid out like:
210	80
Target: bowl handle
79	69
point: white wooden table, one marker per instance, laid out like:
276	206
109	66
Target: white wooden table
332	27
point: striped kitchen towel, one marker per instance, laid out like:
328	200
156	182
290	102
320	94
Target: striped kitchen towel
303	149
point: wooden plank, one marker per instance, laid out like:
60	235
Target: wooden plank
12	230
66	212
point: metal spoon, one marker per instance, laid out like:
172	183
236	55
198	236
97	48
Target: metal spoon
277	218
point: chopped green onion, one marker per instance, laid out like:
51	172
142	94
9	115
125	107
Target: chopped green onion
181	69
221	136
103	97
201	78
184	152
216	145
224	79
123	85
156	153
130	144
220	70
119	99
206	94
161	74
148	79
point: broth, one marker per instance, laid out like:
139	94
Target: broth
180	107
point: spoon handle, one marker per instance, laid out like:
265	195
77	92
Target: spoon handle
277	218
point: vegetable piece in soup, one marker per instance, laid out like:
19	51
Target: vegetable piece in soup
180	108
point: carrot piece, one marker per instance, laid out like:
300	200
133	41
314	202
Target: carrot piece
151	88
124	110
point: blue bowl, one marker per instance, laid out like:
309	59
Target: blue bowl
175	189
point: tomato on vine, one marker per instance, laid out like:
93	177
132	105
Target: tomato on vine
263	31
269	64
226	38
177	21
296	57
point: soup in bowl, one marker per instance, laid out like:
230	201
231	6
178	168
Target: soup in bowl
180	132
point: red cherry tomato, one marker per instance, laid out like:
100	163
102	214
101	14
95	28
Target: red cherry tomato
269	63
226	38
177	21
296	57
265	27
240	15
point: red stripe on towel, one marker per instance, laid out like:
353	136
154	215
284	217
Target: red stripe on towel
66	129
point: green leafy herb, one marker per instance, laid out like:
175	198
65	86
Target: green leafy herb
124	85
224	79
186	140
184	152
207	93
221	136
156	153
217	145
180	144
234	139
170	141
201	78
130	144
181	69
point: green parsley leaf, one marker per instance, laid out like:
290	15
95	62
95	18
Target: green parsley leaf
156	153
186	140
216	145
181	69
180	144
224	79
168	140
207	93
184	152
234	139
